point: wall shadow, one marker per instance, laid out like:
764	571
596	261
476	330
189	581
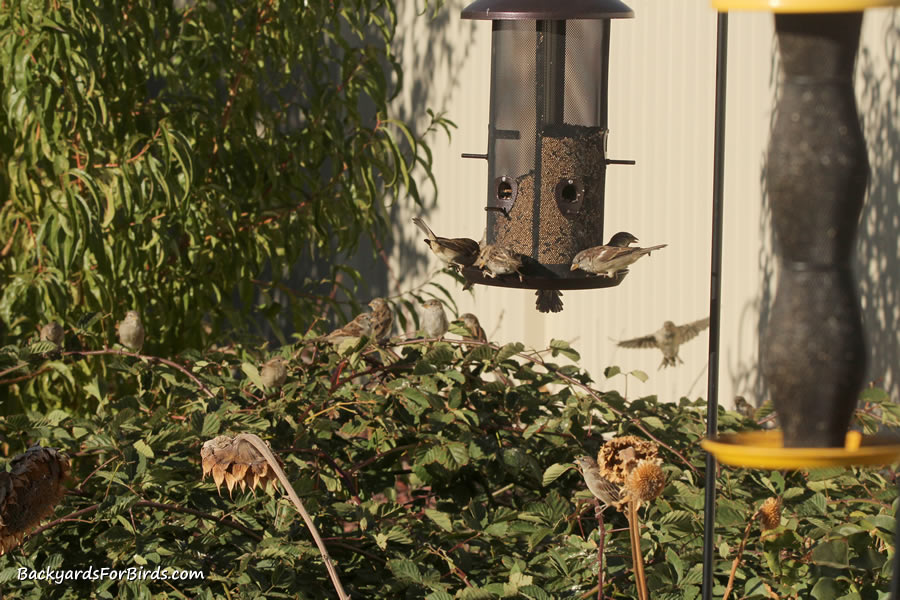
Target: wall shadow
878	245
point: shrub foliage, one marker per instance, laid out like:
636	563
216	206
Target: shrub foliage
433	470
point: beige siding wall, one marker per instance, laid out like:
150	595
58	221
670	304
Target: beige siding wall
662	79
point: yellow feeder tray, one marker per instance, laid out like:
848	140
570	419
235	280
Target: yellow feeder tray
801	6
764	450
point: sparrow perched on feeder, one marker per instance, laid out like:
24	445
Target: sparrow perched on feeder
497	260
53	332
604	490
471	323
456	252
131	331
361	326
382	319
668	339
434	320
612	258
274	372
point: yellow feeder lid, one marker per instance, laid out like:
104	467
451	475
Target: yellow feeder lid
765	450
801	6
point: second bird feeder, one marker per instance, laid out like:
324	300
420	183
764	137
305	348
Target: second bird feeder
547	134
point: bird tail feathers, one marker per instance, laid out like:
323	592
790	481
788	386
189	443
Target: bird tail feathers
425	228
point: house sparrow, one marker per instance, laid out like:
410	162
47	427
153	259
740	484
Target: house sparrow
361	326
131	331
471	323
612	258
549	301
604	490
53	332
743	407
274	372
457	252
668	339
496	260
382	319
434	320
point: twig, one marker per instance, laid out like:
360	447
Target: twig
634	529
148	358
601	531
295	499
737	558
147	503
572	381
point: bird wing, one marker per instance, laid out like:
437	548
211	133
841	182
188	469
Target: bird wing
604	253
647	341
689	331
651	248
462	246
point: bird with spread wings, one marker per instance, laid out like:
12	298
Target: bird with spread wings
668	340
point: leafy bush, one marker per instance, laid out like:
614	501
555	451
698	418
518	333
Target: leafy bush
433	471
171	156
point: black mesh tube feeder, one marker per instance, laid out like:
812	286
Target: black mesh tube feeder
547	135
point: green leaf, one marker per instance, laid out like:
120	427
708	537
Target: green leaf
143	449
826	588
441	518
639	375
252	373
554	471
509	350
834	553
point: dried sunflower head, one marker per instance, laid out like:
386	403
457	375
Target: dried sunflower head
235	462
619	456
29	492
770	513
646	481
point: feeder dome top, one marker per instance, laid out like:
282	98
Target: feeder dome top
547	10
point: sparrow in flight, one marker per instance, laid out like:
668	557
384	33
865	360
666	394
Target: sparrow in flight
668	339
612	258
456	252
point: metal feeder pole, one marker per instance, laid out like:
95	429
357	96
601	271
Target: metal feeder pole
715	288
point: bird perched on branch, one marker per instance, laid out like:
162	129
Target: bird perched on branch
668	339
456	252
604	490
274	372
496	260
471	323
612	258
361	325
53	332
131	331
382	319
434	319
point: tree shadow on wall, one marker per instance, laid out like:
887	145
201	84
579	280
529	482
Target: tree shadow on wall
449	40
878	246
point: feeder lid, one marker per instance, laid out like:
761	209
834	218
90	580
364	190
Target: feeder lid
547	10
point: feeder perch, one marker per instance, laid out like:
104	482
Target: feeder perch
547	135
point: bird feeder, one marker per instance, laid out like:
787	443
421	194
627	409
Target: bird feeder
547	135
